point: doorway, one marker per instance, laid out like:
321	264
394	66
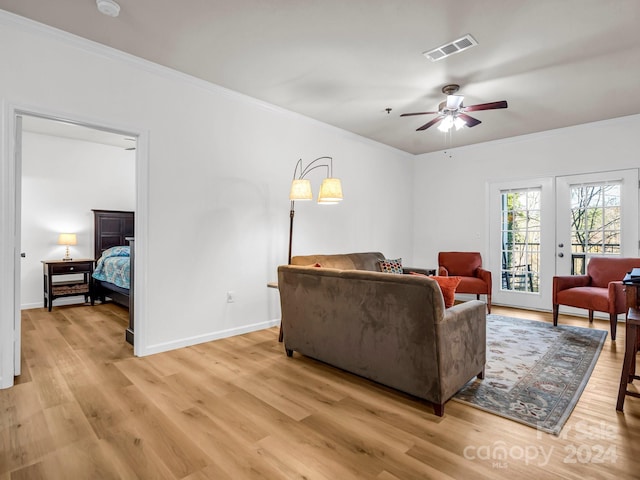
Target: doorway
10	313
552	226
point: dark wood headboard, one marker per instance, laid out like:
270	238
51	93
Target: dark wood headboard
110	229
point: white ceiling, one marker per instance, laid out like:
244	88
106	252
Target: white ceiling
557	62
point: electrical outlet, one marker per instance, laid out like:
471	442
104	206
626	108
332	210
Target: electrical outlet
231	297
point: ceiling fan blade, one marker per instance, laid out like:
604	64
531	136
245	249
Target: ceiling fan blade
486	106
417	113
430	124
470	121
454	101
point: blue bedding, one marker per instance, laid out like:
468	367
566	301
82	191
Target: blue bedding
114	267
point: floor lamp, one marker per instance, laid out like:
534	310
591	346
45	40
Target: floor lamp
330	194
330	190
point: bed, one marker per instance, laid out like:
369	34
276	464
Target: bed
114	253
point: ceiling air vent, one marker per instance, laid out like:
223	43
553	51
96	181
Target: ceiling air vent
450	48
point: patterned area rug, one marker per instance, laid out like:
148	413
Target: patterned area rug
535	372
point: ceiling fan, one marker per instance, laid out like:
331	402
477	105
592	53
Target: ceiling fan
453	112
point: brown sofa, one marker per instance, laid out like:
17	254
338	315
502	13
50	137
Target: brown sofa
389	328
600	289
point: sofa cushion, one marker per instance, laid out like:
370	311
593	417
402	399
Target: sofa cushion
391	265
448	286
344	261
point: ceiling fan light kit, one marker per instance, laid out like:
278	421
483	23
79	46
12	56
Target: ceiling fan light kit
451	112
108	7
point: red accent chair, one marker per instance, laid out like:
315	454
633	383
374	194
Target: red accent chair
468	266
600	290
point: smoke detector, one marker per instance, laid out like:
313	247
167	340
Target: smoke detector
108	7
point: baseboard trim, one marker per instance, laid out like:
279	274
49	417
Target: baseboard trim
58	303
208	337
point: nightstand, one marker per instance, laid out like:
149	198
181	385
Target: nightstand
58	280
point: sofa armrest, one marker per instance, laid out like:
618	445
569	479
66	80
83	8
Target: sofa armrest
442	271
569	281
462	345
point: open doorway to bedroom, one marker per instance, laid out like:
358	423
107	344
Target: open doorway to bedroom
67	171
64	172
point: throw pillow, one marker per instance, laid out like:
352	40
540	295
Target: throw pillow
448	286
391	266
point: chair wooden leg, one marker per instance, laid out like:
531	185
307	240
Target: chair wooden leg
488	303
626	376
613	320
556	308
438	409
590	316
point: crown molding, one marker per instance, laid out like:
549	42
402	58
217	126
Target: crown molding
90	46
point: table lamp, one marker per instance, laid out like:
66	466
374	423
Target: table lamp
67	239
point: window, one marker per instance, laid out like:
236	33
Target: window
520	233
595	222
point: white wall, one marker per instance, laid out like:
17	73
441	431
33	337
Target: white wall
451	213
219	165
62	180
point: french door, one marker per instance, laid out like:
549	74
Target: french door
599	216
552	226
521	242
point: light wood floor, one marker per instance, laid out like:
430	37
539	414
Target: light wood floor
238	408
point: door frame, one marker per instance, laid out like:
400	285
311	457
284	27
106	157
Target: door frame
10	222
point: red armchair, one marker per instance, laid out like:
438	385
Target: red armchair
600	290
467	266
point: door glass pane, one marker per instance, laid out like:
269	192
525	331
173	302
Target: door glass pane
520	240
595	227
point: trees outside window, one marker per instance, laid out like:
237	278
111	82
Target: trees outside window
595	223
521	240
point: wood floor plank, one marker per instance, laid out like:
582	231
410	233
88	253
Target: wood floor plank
158	428
239	408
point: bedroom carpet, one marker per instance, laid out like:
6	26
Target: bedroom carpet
535	372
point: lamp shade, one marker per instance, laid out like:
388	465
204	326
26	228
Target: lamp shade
300	190
330	191
67	239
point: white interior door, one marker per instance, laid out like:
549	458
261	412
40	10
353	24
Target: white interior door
597	214
17	320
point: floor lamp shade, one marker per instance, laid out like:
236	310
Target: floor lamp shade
301	190
330	191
